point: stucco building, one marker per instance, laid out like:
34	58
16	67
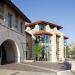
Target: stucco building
12	33
51	39
18	36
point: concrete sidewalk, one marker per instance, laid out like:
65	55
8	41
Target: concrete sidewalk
16	72
33	69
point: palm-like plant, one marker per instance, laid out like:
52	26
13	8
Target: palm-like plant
37	50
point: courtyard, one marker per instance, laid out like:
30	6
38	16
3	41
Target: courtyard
33	68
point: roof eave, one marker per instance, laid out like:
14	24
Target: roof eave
39	22
65	37
14	7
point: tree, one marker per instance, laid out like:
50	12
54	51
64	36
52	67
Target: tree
70	50
73	52
67	51
37	50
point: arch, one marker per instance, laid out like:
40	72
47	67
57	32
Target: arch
9	52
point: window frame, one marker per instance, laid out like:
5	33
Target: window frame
1	10
21	27
41	27
10	20
16	21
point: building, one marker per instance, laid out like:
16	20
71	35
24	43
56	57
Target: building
50	38
12	33
18	36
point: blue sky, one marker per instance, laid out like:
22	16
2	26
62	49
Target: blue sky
61	12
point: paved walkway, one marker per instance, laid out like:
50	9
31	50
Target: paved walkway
54	66
33	68
17	72
24	67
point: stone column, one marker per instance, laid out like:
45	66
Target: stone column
49	49
61	48
53	48
48	29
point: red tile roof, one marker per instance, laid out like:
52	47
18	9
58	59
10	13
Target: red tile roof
40	32
16	9
40	22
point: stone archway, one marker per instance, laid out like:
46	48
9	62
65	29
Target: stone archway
8	52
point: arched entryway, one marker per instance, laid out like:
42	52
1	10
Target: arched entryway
8	52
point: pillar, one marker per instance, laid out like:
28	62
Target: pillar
53	48
61	48
49	49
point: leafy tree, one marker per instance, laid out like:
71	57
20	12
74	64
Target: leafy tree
70	51
67	51
37	50
73	52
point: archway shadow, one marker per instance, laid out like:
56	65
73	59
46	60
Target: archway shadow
8	52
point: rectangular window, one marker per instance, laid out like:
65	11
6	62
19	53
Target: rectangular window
41	27
16	21
46	39
21	27
9	20
1	9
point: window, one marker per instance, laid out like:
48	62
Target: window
1	9
42	27
21	27
46	38
16	21
9	20
42	37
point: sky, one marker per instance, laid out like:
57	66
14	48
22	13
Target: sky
60	12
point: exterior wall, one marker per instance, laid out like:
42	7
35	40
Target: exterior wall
6	33
61	45
13	33
28	46
12	12
19	40
48	29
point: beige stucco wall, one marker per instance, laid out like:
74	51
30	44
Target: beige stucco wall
13	33
19	40
12	12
